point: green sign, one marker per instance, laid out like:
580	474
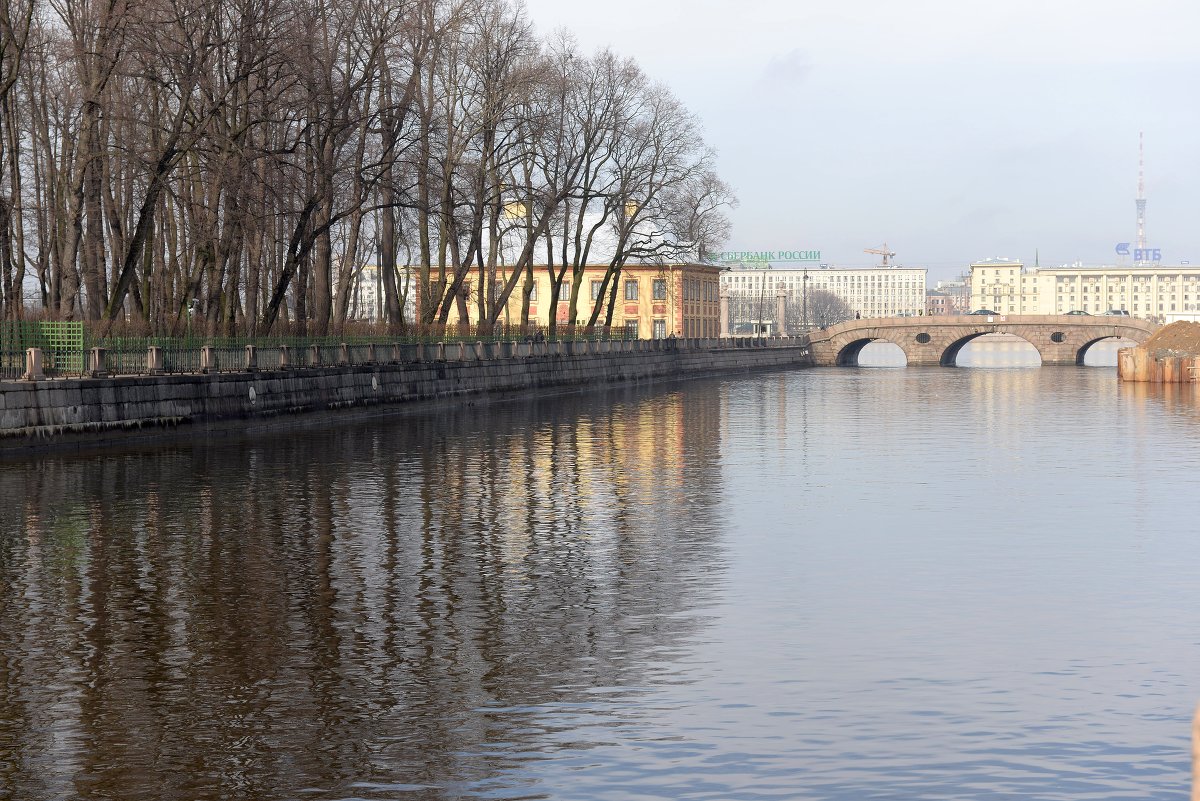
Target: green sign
765	255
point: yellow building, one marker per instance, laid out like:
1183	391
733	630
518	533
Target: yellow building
654	301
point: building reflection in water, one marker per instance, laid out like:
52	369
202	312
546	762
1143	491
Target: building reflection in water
394	604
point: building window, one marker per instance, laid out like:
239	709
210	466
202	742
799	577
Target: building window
659	288
631	291
533	291
631	331
660	329
596	285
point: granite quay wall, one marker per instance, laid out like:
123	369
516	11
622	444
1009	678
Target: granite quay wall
40	413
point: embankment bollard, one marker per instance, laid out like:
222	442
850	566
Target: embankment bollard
251	358
33	365
285	357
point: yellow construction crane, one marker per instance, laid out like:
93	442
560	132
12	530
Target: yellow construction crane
887	254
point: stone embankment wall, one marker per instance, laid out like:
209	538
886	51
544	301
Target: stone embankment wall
1140	364
49	412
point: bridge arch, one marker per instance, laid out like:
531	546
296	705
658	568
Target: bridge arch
949	357
1081	354
848	355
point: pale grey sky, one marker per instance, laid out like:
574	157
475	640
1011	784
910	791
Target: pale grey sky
953	131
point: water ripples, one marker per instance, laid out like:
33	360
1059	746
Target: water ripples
828	584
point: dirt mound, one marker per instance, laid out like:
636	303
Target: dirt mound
1177	339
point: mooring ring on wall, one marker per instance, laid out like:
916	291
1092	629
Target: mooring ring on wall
253	395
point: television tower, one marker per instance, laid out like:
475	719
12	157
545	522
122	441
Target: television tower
1141	198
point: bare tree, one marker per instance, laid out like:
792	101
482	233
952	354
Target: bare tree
16	24
238	163
824	309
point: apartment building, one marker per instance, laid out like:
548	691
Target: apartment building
1157	292
869	292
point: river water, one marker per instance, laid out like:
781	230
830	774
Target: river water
823	584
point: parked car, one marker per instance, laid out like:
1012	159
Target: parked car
1076	311
985	311
1116	313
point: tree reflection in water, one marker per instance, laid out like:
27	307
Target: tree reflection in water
377	607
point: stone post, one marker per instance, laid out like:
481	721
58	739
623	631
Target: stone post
371	353
208	359
285	360
154	360
780	310
314	355
96	362
33	365
343	354
251	358
723	295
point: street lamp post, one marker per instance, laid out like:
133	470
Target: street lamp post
804	294
762	296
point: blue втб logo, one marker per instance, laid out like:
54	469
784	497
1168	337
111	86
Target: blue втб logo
1123	249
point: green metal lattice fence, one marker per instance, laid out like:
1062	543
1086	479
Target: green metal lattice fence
62	345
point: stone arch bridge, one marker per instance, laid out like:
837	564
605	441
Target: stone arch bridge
1059	338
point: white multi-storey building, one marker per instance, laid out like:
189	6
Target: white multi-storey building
869	292
1157	292
366	295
